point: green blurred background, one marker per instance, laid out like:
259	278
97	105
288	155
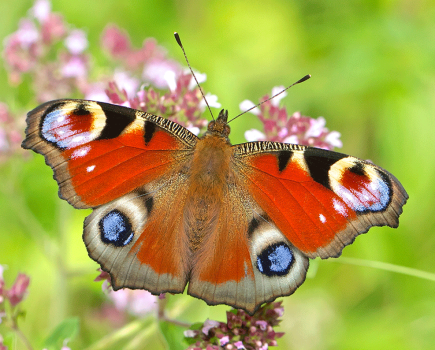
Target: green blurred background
373	79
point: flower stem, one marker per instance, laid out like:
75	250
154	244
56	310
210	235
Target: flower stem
21	335
162	315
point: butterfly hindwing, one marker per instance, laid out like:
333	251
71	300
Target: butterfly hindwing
321	200
140	238
246	261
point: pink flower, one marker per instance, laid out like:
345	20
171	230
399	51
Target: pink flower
224	340
118	44
261	324
64	346
96	92
19	289
2	289
27	34
115	41
209	324
159	73
239	345
136	302
21	50
2	346
53	29
126	82
74	67
296	129
240	330
10	133
41	10
76	42
190	333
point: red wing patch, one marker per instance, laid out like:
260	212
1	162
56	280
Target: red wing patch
321	200
100	152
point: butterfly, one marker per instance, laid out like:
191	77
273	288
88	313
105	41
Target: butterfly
237	223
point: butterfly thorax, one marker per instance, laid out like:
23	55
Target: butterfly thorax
208	180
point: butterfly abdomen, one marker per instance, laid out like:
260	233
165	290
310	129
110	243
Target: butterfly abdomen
207	182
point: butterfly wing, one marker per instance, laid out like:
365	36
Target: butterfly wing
285	204
128	166
233	266
320	200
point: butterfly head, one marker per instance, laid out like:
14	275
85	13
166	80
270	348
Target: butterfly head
220	125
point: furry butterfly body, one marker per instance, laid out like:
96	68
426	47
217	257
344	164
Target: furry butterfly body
237	223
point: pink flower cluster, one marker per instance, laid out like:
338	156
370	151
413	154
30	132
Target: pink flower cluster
52	57
2	346
135	302
49	52
296	129
15	294
10	133
241	331
180	99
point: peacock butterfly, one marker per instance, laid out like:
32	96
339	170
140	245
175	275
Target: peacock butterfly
236	222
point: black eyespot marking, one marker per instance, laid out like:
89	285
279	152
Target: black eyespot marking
283	159
253	226
115	228
149	203
81	110
319	162
358	169
275	260
117	119
150	129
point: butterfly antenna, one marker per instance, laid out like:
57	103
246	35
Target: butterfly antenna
279	93
177	37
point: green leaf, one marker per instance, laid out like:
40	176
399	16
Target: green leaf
66	330
174	335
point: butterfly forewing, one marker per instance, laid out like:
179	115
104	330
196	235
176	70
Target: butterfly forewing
321	200
100	152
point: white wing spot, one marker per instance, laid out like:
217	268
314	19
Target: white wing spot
90	168
339	207
81	152
322	218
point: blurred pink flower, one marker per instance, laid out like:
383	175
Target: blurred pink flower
2	346
182	105
2	289
55	71
118	44
10	133
21	50
135	302
41	10
74	67
296	129
53	29
76	42
19	289
161	73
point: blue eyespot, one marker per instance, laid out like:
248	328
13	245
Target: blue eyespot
115	228
275	260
